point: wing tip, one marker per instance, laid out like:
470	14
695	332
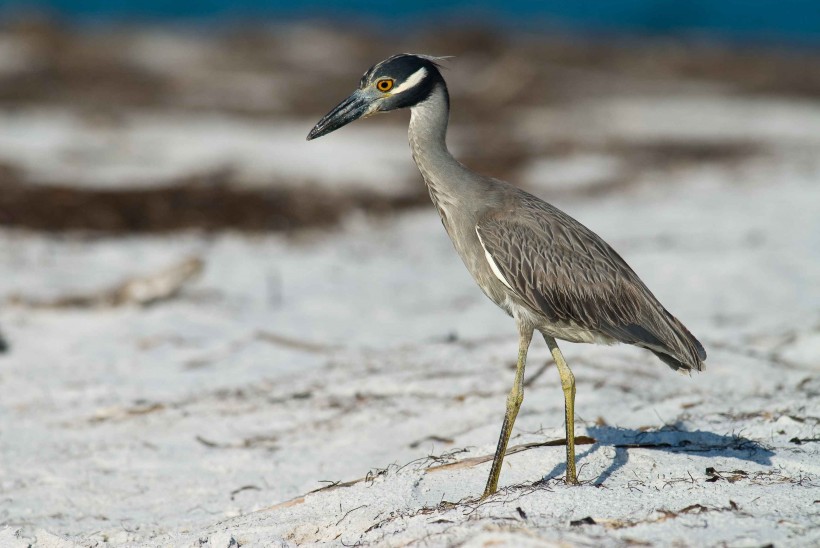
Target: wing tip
681	366
685	354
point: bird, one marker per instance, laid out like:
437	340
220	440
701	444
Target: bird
542	267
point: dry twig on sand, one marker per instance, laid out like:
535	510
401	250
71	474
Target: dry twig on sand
141	291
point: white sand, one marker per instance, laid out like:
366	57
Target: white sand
300	363
367	352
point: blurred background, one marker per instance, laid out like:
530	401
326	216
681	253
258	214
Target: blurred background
141	116
187	286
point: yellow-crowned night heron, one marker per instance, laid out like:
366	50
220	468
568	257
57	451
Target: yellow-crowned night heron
544	268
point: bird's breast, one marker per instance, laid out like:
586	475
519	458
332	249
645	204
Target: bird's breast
469	249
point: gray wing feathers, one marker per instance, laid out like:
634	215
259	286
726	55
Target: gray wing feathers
562	269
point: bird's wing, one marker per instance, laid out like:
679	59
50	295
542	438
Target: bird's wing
559	274
561	268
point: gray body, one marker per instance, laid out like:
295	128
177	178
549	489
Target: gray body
538	264
565	281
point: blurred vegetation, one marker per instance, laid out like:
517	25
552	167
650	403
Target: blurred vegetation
275	73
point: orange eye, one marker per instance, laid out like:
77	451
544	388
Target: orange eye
384	85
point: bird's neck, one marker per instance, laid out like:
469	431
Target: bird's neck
428	124
443	174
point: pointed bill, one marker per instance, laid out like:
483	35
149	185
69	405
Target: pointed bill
349	110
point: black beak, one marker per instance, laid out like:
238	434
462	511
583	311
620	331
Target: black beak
352	108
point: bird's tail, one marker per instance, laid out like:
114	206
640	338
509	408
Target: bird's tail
683	352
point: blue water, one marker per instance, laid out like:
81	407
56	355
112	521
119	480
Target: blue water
778	20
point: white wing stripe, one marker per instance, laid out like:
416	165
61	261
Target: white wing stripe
493	266
414	79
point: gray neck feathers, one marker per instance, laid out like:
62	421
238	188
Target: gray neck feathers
447	180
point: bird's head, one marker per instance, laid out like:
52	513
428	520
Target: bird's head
401	81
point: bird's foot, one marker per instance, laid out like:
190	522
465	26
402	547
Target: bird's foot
572	480
487	494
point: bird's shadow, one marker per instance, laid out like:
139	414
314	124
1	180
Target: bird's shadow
674	438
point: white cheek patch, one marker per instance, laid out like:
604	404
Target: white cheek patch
491	261
414	79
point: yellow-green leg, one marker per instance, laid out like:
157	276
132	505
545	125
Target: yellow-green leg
514	400
568	386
